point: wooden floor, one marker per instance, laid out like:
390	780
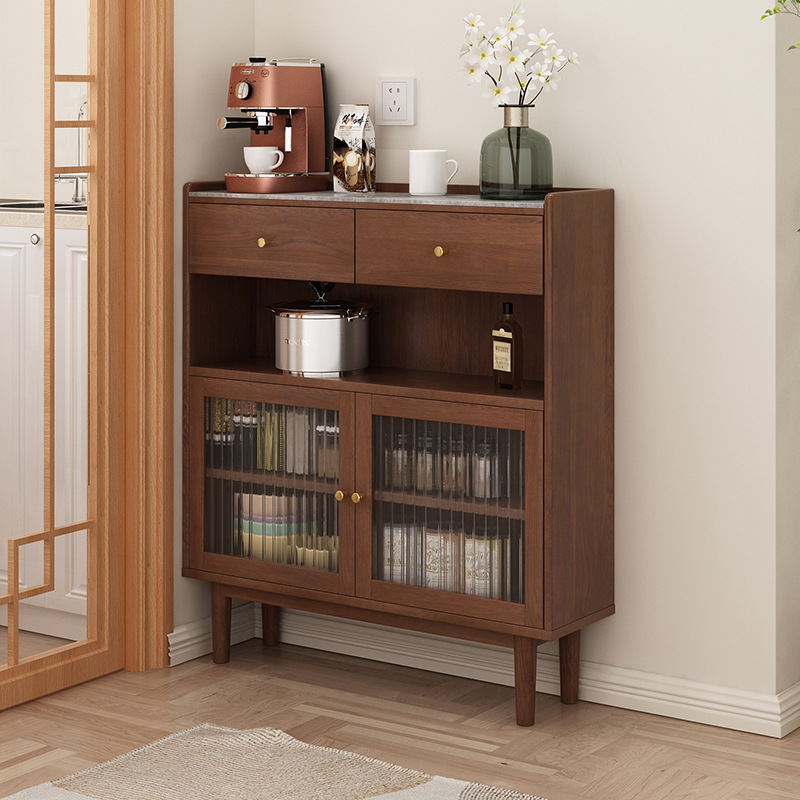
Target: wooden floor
30	644
439	724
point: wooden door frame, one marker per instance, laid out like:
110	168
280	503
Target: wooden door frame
146	141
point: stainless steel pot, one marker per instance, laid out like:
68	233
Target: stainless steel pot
321	339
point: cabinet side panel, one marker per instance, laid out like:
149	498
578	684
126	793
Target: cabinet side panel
579	405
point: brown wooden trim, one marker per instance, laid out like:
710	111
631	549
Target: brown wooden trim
569	650
439	621
534	564
424	385
147	309
579	403
363	445
373	614
525	679
220	625
270	625
436	411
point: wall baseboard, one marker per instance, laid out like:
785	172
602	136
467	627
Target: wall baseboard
193	639
768	715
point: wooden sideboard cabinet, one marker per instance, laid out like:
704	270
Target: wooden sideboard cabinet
414	494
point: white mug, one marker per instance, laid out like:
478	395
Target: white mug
427	172
261	160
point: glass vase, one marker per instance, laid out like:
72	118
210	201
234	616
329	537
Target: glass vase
516	161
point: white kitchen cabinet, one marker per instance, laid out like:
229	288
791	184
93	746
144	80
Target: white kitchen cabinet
61	612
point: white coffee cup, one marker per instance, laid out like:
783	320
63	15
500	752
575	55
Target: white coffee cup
261	160
427	172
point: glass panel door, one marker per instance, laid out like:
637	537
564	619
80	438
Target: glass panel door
449	509
49	539
271	476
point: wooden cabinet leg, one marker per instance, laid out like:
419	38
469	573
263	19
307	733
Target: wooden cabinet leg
220	625
270	625
525	679
569	651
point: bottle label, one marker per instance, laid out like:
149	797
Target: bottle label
504	334
501	356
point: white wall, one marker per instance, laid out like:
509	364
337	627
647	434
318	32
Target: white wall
209	36
662	109
22	98
21	139
787	222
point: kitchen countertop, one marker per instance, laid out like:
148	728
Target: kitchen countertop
468	200
33	219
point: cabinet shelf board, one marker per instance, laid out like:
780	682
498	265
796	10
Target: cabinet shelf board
425	385
489	508
278	480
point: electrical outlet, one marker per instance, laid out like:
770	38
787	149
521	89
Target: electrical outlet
394	101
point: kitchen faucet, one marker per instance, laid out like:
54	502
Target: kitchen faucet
79	194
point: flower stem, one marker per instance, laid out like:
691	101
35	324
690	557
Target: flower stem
514	153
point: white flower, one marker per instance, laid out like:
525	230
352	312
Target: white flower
541	72
499	62
498	93
542	39
555	56
552	81
512	27
513	58
473	23
500	37
473	74
482	54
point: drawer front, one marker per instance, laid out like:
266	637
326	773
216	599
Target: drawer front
271	241
398	248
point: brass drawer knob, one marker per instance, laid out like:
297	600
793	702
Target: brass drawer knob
340	495
439	251
356	497
262	242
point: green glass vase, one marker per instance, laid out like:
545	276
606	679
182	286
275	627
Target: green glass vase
516	161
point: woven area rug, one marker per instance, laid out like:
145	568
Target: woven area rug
214	763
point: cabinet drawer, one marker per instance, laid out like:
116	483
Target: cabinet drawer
302	243
484	252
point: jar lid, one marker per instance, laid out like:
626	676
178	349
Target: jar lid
321	310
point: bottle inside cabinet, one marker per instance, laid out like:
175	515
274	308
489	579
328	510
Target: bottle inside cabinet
507	358
269	470
449	510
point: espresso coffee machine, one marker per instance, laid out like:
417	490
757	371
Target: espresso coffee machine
284	106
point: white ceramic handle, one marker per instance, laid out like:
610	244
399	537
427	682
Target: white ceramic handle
455	168
280	160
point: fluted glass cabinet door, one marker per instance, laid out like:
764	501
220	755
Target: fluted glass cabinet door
456	506
272	466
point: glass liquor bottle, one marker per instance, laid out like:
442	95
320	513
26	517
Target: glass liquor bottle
507	350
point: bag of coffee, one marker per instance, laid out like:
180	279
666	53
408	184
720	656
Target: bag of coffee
354	150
